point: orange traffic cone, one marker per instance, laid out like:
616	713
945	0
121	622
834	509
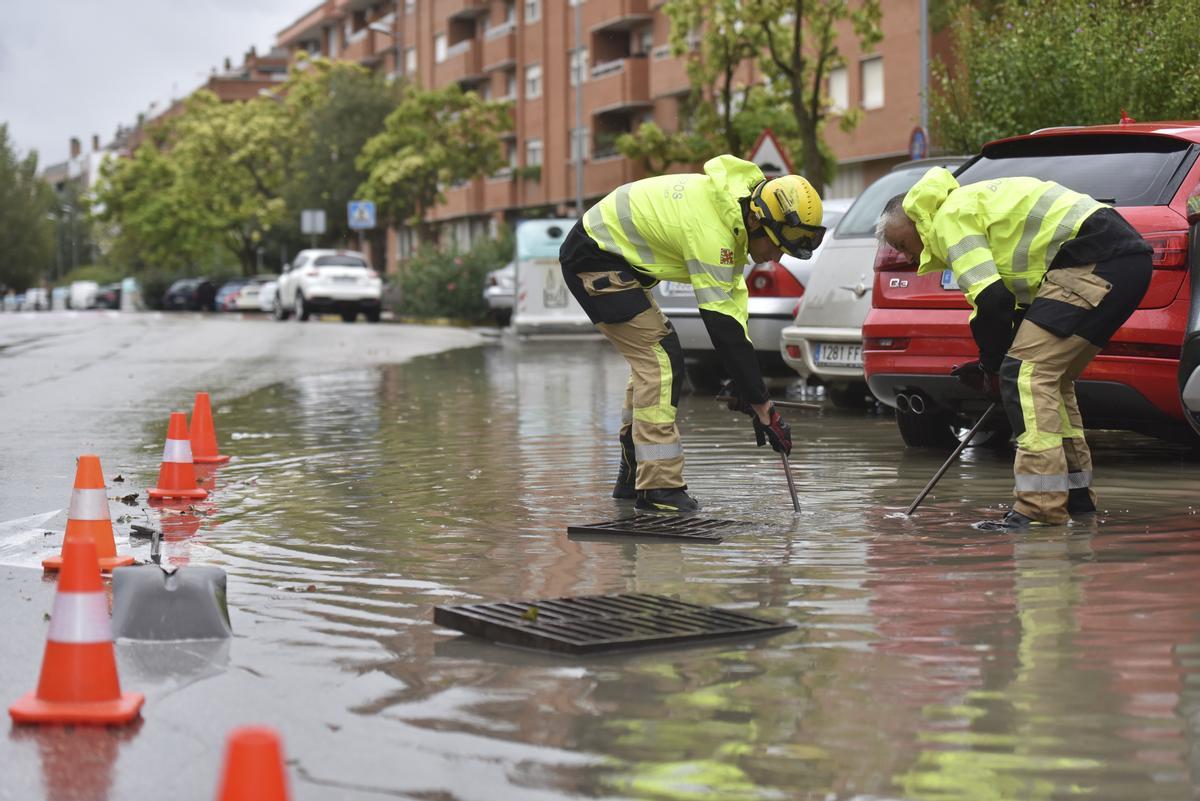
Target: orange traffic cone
253	766
88	517
177	474
79	671
203	435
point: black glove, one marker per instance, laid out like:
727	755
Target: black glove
778	432
974	376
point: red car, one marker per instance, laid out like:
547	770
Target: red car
917	328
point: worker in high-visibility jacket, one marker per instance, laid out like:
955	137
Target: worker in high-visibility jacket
1050	274
697	229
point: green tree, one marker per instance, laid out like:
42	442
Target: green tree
1028	64
793	42
211	177
801	50
333	109
26	226
434	138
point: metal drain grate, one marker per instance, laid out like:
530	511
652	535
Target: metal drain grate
670	527
600	623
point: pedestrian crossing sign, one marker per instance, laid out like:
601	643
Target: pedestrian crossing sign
361	214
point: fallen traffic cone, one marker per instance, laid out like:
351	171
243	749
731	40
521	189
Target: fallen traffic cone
253	766
202	433
177	475
88	517
79	682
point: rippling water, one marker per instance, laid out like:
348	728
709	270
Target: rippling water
930	660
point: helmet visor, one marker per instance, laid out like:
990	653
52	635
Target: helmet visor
797	239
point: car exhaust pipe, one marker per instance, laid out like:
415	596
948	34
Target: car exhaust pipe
902	402
916	403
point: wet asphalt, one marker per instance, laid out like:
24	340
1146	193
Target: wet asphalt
928	660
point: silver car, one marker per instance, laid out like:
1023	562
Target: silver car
499	289
824	344
775	290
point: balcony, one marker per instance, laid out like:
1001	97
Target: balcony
601	176
459	9
612	16
308	26
366	46
500	47
461	65
668	74
618	85
500	192
461	201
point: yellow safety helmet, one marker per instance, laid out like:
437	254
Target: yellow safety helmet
790	211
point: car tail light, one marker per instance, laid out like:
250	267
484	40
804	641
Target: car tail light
773	280
1170	250
885	343
372	273
1142	350
887	258
794	351
313	273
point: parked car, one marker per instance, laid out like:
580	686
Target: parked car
191	294
499	288
83	294
339	281
824	343
36	299
267	294
775	289
108	296
227	294
917	328
246	296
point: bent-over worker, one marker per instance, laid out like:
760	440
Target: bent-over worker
1050	274
690	228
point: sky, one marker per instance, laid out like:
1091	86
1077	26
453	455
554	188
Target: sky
82	67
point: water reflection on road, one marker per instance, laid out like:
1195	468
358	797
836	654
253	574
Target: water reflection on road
930	661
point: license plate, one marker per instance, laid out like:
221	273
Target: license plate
344	279
948	281
676	289
838	354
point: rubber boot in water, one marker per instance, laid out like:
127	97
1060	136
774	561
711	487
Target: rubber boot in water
1012	521
627	474
674	500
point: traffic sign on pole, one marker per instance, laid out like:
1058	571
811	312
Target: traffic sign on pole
312	221
361	214
768	154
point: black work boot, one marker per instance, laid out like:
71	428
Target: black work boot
627	473
674	499
1012	521
1079	502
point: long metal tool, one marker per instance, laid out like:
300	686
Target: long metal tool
787	470
796	404
942	470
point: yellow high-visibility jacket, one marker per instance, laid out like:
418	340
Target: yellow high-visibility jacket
687	228
1005	229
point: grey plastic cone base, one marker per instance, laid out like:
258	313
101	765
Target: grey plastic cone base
187	603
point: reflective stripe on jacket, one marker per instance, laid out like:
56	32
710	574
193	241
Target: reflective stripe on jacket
685	228
1005	229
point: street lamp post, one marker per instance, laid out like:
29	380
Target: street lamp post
579	141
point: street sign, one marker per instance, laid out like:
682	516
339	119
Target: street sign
768	154
918	144
362	214
312	221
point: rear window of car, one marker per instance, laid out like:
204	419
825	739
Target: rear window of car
339	261
1120	169
859	220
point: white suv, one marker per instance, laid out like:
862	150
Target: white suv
329	280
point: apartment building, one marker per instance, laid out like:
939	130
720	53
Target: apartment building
526	51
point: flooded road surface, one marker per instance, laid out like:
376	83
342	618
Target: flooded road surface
929	660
